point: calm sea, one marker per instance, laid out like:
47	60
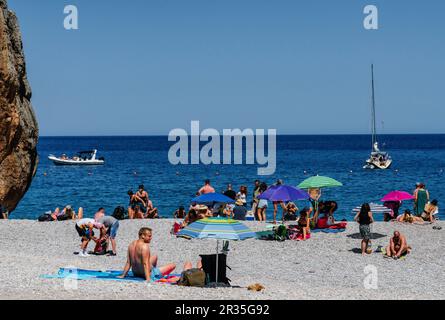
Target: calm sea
131	161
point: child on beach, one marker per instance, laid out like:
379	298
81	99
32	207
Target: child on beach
84	228
304	222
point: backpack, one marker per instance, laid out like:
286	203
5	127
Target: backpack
119	213
192	278
100	248
280	233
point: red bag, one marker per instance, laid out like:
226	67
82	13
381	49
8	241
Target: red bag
176	228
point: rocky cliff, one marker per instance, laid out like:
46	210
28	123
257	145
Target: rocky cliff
18	124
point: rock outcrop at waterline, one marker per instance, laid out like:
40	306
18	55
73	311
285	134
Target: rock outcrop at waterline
18	124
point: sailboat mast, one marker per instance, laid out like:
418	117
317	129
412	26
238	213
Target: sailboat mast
374	133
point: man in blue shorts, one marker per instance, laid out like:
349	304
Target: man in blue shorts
112	225
141	262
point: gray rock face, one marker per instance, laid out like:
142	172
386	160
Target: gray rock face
18	124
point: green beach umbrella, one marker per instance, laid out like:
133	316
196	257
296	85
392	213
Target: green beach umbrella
319	182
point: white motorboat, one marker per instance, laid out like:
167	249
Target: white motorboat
80	159
378	159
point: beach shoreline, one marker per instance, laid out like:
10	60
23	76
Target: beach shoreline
327	266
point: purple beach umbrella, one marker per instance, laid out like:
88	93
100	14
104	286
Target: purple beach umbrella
283	193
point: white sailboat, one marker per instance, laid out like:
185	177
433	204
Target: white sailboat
378	159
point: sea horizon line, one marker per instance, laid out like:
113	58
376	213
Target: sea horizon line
278	135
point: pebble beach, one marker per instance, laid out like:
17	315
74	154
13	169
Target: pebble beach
327	266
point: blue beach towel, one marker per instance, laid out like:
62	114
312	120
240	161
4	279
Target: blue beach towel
82	274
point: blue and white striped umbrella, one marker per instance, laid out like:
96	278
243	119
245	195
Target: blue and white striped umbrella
217	228
375	208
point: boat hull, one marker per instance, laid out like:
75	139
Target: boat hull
69	162
377	164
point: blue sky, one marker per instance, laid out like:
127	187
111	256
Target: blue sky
143	67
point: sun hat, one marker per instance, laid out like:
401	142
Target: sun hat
239	202
202	207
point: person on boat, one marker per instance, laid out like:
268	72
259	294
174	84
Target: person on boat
207	188
397	246
240	210
230	192
421	197
84	228
262	204
429	211
112	226
304	222
291	212
152	212
364	218
408	217
141	262
242	195
179	213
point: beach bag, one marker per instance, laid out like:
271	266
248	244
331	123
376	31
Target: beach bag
176	228
119	213
45	217
192	278
280	233
64	217
101	247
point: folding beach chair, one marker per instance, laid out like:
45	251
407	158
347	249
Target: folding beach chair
209	266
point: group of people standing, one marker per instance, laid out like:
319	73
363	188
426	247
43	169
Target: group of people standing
140	206
424	212
107	226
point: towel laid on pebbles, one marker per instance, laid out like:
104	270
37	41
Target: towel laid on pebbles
328	230
82	274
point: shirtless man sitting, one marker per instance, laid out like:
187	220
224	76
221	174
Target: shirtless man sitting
397	246
141	262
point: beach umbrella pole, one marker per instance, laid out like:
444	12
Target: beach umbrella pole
217	256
